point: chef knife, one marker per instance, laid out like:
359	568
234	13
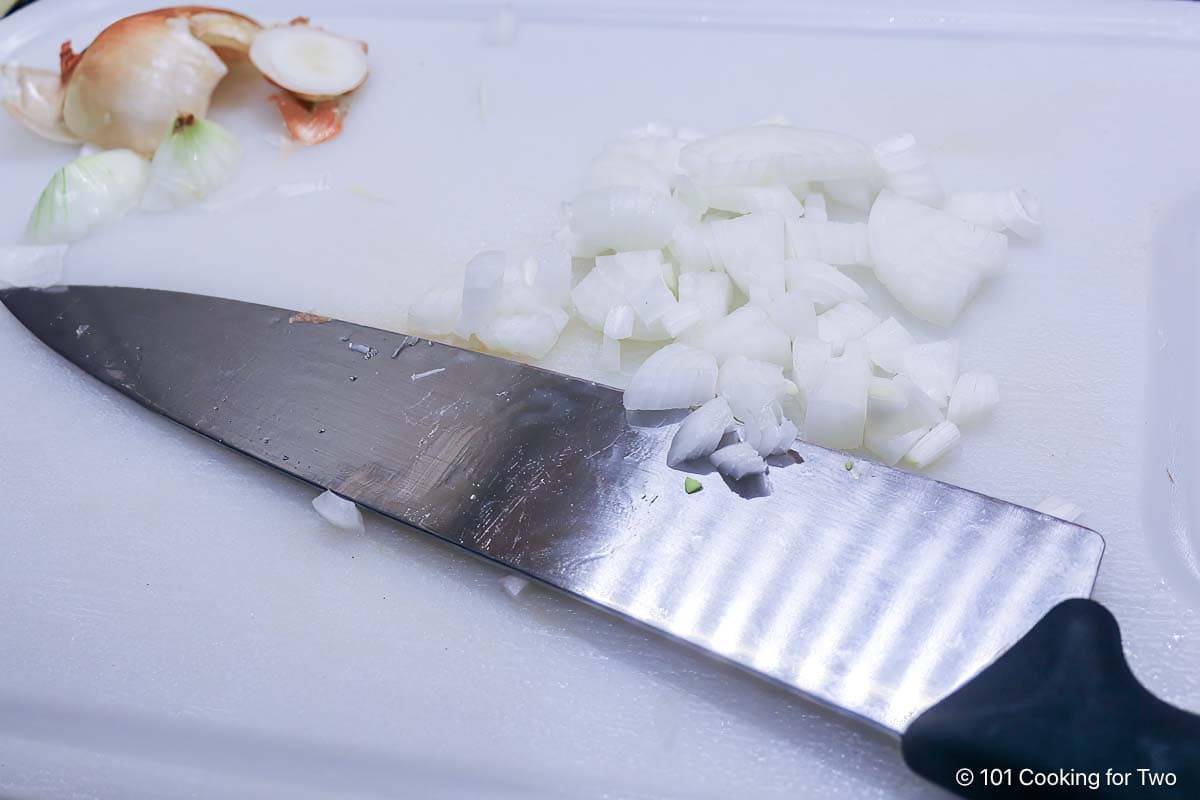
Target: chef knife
957	622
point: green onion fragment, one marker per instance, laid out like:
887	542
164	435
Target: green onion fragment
849	466
691	485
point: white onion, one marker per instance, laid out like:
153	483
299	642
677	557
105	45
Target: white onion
638	265
548	272
623	169
736	461
768	431
711	292
841	243
825	285
87	193
885	396
676	376
751	250
483	282
700	432
933	367
931	261
749	385
943	438
623	218
766	154
793	313
693	247
907	170
193	161
610	354
889	449
311	63
35	266
809	357
514	584
844	322
974	396
837	406
856	194
618	324
753	199
1009	210
531	334
680	317
814	208
748	331
1060	507
338	512
887	343
652	300
620	282
436	312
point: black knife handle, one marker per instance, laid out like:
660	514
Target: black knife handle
1062	707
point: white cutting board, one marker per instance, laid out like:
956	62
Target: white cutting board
175	621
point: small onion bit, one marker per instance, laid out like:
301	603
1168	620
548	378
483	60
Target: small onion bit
34	97
338	511
309	123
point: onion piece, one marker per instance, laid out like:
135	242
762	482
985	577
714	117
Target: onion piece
841	243
886	397
87	193
837	407
856	194
618	324
310	63
907	170
143	71
748	331
309	123
766	154
825	285
483	282
931	261
974	396
680	317
625	279
751	250
700	432
711	292
814	208
809	357
197	158
33	266
514	584
753	200
736	461
1060	507
888	342
676	376
34	97
622	218
338	511
943	438
530	335
793	313
889	449
693	247
1010	210
436	312
933	367
844	322
548	273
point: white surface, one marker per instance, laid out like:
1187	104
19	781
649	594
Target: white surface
177	622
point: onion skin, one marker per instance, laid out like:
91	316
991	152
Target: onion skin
303	22
141	72
34	97
309	123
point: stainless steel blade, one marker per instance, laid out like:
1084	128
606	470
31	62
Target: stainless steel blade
870	589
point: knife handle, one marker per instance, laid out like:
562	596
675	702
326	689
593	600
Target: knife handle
1061	701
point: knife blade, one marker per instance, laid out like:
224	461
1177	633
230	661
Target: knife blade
872	590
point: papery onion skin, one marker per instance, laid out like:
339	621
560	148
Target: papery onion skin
34	97
309	123
141	72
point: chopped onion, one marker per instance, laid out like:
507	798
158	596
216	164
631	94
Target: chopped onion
631	279
693	247
653	300
610	354
338	511
482	286
35	266
548	273
436	312
809	357
943	438
931	261
793	313
844	322
825	285
933	367
618	324
680	317
747	385
899	414
87	193
736	461
856	194
687	192
888	342
766	154
514	584
885	396
711	292
196	158
311	63
841	243
631	171
751	250
1010	210
700	432
623	218
753	199
676	376
837	407
973	398
890	449
748	331
814	208
907	170
1060	507
531	334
